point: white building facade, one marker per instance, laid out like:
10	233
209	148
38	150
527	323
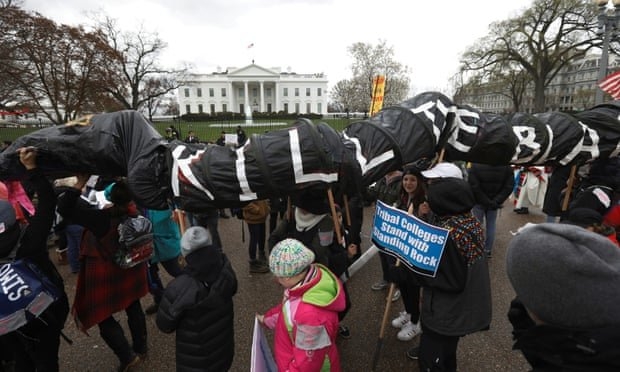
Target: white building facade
573	88
255	89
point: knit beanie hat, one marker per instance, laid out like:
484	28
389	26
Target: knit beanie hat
7	216
311	200
583	217
194	238
567	276
289	257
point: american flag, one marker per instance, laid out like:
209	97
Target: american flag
611	84
251	45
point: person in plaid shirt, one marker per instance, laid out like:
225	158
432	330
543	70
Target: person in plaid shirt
103	288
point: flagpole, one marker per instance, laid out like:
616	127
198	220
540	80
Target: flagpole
608	22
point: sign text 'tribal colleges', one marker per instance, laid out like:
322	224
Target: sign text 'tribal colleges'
413	241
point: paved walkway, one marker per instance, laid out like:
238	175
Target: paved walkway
485	351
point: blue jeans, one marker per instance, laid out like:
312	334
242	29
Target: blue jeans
488	219
74	237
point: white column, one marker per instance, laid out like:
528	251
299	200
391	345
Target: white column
276	95
247	101
262	97
231	98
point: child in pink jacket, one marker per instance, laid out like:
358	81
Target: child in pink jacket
306	322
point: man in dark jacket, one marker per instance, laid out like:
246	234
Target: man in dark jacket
35	344
198	305
492	185
457	301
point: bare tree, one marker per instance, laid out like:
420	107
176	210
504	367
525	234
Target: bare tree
135	78
55	69
369	61
544	39
4	4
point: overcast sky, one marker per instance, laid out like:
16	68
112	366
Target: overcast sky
310	36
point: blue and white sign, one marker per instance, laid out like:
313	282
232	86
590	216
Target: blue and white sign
416	243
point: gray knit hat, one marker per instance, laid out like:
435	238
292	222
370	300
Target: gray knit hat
194	238
566	275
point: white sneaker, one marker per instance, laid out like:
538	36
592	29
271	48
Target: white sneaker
396	295
409	331
402	319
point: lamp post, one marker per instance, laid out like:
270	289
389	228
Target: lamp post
607	23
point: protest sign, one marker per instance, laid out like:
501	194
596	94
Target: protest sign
416	243
261	359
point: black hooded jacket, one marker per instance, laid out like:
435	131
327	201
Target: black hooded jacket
457	301
198	304
549	348
491	184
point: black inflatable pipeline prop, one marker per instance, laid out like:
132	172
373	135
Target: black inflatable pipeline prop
306	154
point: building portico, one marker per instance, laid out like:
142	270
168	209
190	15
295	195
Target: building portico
253	88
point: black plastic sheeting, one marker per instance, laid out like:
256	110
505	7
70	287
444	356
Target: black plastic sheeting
275	163
307	154
116	144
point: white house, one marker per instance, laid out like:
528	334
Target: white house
253	88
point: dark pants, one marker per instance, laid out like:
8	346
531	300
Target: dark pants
410	293
209	221
156	287
437	352
257	239
113	335
274	217
386	261
74	238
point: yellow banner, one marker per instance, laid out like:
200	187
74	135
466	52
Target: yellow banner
378	88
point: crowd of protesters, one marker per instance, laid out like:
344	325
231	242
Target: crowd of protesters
555	268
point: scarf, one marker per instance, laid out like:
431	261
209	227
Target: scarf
305	221
466	232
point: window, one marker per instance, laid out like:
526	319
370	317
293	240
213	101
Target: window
199	92
297	107
285	92
269	107
268	92
318	107
211	92
224	107
307	92
296	92
187	110
186	92
240	92
254	92
200	108
286	107
308	108
319	92
212	108
224	93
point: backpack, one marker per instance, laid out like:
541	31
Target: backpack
26	292
135	237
